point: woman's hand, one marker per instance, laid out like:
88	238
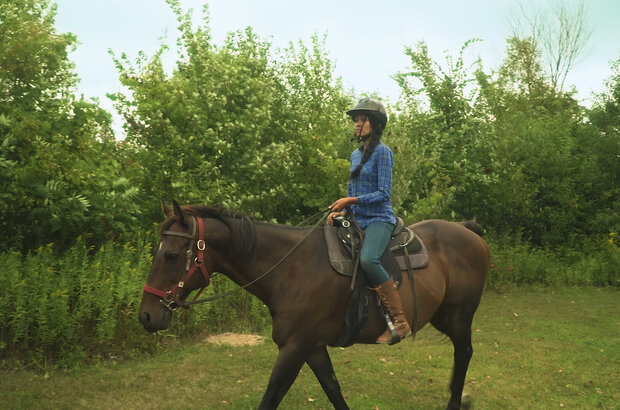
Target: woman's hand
337	208
332	215
342	203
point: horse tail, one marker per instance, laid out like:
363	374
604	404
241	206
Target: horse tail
473	226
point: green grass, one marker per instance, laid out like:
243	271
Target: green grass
533	348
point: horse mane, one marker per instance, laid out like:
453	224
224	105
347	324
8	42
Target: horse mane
242	230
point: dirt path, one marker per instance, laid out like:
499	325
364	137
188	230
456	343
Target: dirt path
235	339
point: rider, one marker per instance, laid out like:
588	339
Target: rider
369	198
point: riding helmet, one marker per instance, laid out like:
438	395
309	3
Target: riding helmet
369	106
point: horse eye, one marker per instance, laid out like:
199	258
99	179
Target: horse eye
171	256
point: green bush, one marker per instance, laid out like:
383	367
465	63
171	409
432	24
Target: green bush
516	263
70	304
65	307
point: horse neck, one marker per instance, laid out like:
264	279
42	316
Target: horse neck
273	243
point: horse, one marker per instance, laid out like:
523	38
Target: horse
288	269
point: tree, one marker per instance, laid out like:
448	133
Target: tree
505	152
600	151
235	126
446	154
561	33
57	152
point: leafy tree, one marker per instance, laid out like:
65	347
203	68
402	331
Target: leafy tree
600	149
235	126
534	128
447	154
57	153
501	147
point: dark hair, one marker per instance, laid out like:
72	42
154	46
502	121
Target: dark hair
375	137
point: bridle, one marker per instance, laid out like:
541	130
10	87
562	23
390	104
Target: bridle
170	299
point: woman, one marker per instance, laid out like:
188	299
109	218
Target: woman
369	198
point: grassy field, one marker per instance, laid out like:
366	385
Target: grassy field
533	348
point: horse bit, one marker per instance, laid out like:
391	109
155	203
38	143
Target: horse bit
170	299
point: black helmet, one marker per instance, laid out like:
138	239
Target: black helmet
369	106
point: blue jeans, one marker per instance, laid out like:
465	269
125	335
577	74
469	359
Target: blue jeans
377	236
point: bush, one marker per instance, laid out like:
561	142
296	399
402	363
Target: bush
83	304
516	263
70	305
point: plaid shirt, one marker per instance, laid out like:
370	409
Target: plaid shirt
373	186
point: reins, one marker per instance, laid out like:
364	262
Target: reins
322	213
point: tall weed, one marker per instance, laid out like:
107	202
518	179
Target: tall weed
516	263
83	303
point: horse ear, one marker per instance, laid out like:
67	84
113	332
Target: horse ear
166	208
178	212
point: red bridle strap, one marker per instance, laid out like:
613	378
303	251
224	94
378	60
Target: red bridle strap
154	291
199	262
171	295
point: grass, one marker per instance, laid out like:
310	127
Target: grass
533	348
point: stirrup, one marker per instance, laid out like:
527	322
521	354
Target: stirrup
395	336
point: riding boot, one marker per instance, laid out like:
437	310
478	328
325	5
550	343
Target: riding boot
388	294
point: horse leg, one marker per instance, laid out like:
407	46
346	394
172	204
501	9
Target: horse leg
463	352
457	326
285	371
321	365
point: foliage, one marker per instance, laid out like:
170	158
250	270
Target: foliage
80	304
505	148
234	126
515	263
448	154
72	305
263	132
60	175
600	144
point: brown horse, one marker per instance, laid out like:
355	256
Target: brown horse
288	270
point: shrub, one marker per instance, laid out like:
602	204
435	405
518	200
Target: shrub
83	303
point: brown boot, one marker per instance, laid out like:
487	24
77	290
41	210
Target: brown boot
388	294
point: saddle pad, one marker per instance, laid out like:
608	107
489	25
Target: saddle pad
416	250
340	254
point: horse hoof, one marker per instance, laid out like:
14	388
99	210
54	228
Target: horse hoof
466	401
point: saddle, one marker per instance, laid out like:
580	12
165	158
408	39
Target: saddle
405	252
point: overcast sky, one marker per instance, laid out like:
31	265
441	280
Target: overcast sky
365	39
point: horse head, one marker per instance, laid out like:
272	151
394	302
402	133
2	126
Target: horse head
178	268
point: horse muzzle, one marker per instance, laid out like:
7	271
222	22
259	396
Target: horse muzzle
154	320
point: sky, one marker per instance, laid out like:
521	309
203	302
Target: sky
365	39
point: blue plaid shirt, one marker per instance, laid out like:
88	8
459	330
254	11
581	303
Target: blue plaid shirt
373	186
